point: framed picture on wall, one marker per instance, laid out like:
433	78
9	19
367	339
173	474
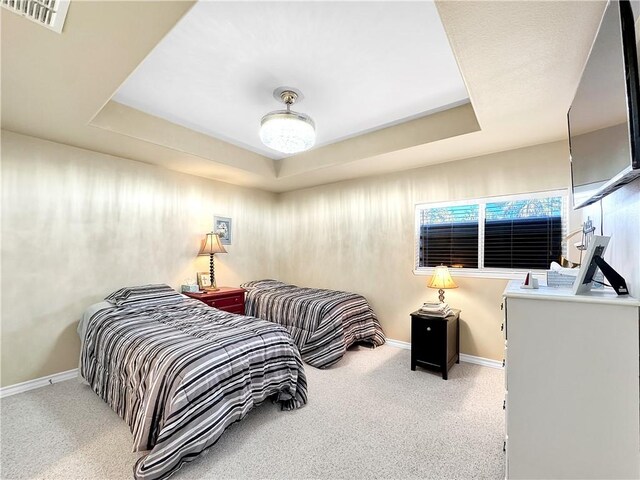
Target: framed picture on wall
204	280
222	226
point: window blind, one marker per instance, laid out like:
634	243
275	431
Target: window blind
519	232
524	234
449	236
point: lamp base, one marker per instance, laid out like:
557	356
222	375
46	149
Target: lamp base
212	274
441	295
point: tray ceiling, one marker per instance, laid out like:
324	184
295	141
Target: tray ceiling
521	62
360	65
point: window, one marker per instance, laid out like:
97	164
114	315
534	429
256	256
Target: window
449	236
503	234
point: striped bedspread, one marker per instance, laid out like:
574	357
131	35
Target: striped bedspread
323	323
180	372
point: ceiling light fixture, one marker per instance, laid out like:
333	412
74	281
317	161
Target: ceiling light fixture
285	130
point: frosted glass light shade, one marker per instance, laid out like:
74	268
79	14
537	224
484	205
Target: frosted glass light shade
287	131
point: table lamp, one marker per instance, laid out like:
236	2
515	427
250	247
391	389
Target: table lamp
210	246
441	279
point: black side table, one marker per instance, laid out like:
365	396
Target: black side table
435	342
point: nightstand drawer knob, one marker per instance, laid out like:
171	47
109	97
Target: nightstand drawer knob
428	329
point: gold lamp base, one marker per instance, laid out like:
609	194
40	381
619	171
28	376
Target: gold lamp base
210	246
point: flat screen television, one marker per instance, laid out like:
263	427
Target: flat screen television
604	128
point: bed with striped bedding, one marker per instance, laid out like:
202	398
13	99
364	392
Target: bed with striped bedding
180	372
323	323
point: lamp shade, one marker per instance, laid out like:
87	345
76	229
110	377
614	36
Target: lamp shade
442	279
211	244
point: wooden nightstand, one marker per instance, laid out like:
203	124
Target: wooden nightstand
229	299
435	342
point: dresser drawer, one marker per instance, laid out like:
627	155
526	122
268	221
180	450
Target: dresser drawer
224	302
238	309
229	299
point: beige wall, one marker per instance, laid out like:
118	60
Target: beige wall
77	225
359	235
621	221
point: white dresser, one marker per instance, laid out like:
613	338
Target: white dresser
571	384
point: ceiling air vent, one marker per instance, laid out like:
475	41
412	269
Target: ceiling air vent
48	13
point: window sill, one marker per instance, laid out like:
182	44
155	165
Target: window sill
485	273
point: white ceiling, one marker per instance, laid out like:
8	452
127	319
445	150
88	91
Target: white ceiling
521	62
360	66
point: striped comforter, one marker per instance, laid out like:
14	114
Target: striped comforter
323	323
180	372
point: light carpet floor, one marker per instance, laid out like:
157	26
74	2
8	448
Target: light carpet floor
369	416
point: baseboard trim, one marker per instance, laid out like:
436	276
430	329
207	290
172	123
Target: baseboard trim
37	383
485	362
398	344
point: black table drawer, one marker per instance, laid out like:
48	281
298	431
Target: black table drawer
427	339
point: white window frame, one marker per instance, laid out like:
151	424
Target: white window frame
482	272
